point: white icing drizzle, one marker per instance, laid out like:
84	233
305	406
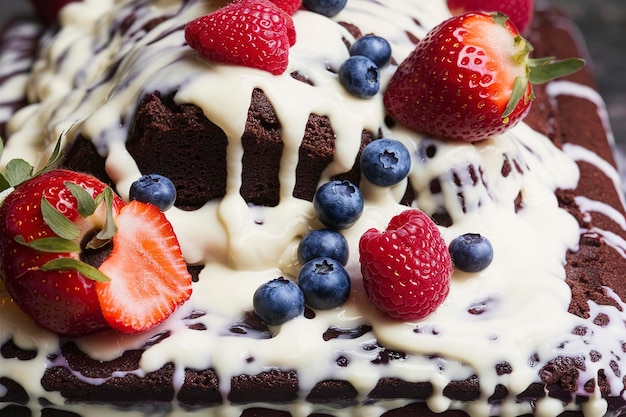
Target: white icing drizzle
88	80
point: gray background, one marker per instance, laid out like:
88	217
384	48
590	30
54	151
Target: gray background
602	22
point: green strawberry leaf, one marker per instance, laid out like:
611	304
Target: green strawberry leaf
54	159
518	92
71	264
18	171
541	71
50	244
86	203
110	228
59	224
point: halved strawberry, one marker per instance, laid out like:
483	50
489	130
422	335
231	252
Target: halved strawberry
63	251
148	276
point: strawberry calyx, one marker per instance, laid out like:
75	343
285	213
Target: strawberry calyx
67	234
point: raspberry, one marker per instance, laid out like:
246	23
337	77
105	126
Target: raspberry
289	6
407	268
252	33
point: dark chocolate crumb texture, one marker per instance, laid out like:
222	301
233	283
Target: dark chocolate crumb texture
541	331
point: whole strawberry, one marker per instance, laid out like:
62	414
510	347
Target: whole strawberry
77	259
469	79
252	33
407	268
519	11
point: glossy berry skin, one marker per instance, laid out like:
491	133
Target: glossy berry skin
154	189
252	33
373	47
407	268
519	11
328	8
385	162
278	301
323	243
471	252
338	204
324	283
64	302
360	76
288	6
457	82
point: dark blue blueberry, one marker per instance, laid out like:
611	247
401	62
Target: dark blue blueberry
385	162
471	252
326	7
374	47
323	243
325	283
338	204
360	76
154	189
278	301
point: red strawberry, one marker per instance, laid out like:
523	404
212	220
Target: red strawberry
253	33
469	79
62	301
288	6
51	227
47	10
407	268
519	11
148	276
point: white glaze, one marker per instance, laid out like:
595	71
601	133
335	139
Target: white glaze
526	279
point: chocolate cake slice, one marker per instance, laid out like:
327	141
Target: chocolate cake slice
540	332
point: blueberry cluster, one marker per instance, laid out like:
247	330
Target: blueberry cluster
360	74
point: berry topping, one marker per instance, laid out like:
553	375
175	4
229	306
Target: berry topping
373	47
324	283
77	260
407	268
148	277
288	6
323	243
469	79
252	33
360	76
385	162
471	252
154	189
519	11
328	8
338	204
278	301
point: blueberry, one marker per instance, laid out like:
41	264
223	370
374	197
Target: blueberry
325	283
323	243
154	189
374	47
328	8
385	162
471	252
278	301
360	76
338	204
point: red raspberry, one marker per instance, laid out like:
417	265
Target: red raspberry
252	33
289	6
407	268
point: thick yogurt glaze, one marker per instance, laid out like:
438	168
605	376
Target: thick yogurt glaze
75	90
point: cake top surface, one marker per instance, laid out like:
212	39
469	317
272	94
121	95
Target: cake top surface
107	55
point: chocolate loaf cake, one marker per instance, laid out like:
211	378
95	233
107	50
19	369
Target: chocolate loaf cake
541	331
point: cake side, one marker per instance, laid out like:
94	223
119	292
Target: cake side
368	359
